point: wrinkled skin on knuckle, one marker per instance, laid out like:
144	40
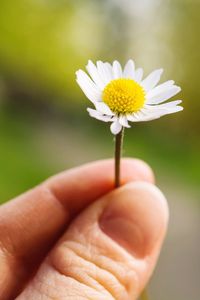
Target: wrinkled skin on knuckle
96	261
52	284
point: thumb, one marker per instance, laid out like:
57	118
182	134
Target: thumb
109	251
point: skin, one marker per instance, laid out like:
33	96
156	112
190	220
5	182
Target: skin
75	237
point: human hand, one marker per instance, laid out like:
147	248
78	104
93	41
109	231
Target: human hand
74	237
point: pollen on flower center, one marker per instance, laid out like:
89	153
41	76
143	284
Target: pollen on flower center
124	96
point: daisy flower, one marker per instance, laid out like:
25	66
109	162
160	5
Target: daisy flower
120	95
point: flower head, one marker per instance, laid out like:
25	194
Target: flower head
121	95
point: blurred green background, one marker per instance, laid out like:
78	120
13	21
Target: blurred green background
44	126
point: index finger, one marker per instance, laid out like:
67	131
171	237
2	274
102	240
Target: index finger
40	214
78	187
51	205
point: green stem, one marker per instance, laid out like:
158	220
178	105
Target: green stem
118	153
144	295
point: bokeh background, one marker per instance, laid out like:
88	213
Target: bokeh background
44	126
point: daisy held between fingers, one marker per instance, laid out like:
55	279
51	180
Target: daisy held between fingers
121	96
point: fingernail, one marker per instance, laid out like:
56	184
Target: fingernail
136	217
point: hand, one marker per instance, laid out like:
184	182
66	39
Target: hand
74	237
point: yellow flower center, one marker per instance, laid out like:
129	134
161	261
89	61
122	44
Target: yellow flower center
124	96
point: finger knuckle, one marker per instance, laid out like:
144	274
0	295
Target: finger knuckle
87	265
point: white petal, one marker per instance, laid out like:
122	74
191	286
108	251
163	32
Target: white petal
171	110
153	111
160	87
123	121
161	110
117	70
138	75
132	117
89	88
97	115
115	127
104	72
94	73
170	104
151	80
143	116
163	95
103	108
164	105
129	69
109	70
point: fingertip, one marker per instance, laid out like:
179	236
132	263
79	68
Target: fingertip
153	202
137	169
136	217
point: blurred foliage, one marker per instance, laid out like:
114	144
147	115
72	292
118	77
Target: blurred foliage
43	43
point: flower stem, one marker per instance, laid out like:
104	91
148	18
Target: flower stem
118	153
144	295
